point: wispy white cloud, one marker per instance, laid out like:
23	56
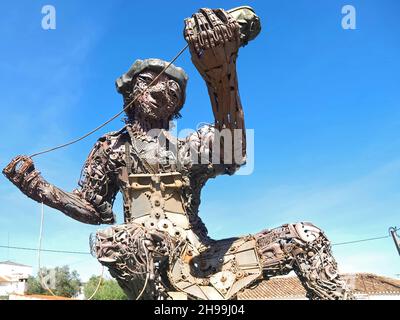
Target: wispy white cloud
361	207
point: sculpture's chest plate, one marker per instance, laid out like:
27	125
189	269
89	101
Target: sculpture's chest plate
157	202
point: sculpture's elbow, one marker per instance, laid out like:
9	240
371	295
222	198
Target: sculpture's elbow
107	215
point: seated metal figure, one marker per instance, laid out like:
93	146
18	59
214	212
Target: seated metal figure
163	247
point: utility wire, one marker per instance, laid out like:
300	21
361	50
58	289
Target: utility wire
116	115
44	250
361	240
88	253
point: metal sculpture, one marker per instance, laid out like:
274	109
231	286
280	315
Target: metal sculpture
163	246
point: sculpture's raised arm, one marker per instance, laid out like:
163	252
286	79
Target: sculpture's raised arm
214	38
91	204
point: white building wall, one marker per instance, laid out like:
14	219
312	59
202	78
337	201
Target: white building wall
383	296
4	288
8	270
7	288
16	275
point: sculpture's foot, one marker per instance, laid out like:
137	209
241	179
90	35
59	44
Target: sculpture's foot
303	248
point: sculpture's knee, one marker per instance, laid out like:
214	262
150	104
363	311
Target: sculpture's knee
281	248
315	264
308	233
311	250
304	248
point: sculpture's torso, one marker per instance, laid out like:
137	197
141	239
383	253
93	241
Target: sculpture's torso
161	186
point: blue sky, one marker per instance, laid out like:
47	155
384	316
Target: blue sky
323	101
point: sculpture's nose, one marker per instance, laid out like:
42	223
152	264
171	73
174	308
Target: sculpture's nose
158	93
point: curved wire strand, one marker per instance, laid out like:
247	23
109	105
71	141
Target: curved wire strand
116	115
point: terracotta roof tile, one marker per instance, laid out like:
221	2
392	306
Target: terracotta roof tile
289	287
4	279
41	297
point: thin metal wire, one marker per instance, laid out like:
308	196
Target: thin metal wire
98	284
44	250
42	283
356	241
116	115
88	253
144	286
79	139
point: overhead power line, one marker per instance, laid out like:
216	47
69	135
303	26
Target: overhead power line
88	253
45	250
361	240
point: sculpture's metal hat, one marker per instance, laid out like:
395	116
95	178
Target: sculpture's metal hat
124	83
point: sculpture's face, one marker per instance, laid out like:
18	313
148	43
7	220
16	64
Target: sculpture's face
161	100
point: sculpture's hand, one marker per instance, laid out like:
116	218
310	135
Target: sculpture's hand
211	28
21	172
214	39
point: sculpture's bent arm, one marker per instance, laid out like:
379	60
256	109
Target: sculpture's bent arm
214	38
91	204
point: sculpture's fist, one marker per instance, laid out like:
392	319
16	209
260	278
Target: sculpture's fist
210	29
21	172
214	37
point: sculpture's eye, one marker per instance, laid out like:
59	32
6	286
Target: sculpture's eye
173	85
146	79
174	90
173	93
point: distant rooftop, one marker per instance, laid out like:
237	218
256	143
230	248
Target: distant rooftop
4	279
16	296
289	287
11	263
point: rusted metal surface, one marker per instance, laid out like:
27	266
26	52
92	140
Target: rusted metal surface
163	246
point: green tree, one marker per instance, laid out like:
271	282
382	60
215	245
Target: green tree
66	283
108	290
33	286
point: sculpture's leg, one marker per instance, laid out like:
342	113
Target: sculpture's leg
134	257
303	248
